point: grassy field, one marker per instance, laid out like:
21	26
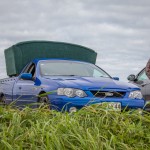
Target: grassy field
87	129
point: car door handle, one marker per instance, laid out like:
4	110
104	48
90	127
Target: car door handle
20	87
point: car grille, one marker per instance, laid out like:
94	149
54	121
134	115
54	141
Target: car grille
108	94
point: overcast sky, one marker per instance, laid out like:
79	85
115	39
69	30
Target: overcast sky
118	30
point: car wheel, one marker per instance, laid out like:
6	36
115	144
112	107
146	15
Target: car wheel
44	102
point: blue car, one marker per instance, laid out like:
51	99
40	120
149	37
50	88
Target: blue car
69	85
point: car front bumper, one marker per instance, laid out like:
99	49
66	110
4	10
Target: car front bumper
66	103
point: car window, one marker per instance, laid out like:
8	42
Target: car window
30	69
142	76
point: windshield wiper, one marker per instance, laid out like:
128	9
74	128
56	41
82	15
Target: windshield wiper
103	77
60	75
69	75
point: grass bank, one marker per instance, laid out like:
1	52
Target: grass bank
88	129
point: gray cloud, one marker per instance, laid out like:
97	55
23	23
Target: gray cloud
118	30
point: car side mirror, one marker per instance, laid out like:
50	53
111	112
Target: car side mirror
26	76
116	78
131	77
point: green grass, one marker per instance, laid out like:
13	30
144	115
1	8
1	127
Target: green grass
87	129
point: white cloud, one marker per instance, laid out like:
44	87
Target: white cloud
118	30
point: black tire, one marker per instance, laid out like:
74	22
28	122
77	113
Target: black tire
44	102
2	100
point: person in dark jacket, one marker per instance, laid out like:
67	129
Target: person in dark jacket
147	69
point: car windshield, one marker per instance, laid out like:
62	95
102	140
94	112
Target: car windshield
142	76
70	68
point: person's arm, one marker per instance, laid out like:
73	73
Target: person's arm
147	69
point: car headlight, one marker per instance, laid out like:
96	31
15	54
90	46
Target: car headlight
71	92
80	93
135	95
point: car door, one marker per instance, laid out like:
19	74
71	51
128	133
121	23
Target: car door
147	94
144	83
7	88
24	90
